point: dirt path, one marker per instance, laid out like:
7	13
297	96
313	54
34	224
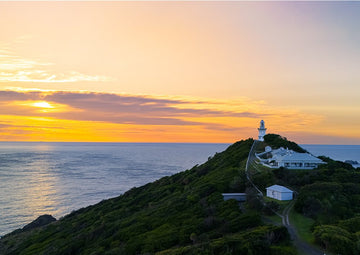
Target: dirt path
302	247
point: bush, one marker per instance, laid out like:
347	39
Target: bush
336	239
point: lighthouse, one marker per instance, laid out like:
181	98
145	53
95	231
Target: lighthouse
262	130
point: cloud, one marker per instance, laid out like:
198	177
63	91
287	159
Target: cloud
138	109
8	125
8	96
14	63
115	103
120	109
46	76
17	69
108	116
4	126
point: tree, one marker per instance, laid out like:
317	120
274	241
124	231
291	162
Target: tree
336	239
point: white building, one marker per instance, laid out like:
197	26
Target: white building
279	192
262	130
289	159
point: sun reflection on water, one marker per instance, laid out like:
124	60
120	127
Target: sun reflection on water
38	186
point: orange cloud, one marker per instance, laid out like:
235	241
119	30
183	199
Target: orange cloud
115	108
90	116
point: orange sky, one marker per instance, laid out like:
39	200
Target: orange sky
179	71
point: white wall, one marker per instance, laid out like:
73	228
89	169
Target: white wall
286	196
278	195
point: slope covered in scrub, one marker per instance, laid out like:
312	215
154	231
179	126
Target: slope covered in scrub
180	214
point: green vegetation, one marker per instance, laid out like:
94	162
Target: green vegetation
185	213
303	226
337	239
277	141
327	200
274	219
181	214
277	205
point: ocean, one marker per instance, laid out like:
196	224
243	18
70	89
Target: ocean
57	178
336	152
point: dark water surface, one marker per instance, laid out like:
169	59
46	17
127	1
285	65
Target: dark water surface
57	178
336	152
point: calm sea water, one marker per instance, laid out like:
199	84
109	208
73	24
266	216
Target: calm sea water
336	152
57	178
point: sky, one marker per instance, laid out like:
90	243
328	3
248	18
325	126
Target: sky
179	71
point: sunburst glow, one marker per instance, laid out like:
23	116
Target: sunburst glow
42	104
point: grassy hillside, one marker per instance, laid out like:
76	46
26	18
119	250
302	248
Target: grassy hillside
180	214
277	141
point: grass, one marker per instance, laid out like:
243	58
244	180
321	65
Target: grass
257	167
282	203
303	225
274	219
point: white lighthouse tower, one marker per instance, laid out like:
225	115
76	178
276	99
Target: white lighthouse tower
262	130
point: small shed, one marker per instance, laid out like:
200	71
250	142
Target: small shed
240	197
279	192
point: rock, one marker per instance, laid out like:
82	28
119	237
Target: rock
39	222
352	162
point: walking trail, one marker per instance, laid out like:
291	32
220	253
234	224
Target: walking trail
302	247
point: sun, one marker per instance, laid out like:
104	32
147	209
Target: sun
42	104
